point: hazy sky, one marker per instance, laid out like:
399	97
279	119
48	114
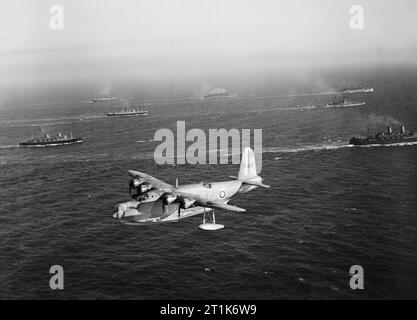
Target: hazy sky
165	39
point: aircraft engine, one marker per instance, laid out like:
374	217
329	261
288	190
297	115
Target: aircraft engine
144	187
186	203
169	198
135	183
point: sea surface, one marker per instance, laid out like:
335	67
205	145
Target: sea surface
330	205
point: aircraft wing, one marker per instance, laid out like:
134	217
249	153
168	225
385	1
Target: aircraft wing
200	201
225	206
149	179
165	187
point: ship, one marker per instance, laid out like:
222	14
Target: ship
128	112
105	99
343	103
356	89
219	93
51	141
384	138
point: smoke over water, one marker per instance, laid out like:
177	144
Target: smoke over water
377	122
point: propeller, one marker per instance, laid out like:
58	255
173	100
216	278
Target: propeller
167	199
179	206
184	203
131	186
134	184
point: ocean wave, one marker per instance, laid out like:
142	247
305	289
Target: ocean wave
48	121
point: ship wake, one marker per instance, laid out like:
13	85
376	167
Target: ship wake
12	146
316	148
396	144
320	147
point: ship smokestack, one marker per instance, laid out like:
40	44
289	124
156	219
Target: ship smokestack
389	130
402	130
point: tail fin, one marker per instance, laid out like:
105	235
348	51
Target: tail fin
247	165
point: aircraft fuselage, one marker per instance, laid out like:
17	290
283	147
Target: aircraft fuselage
213	191
155	211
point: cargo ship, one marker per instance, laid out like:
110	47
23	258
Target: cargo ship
343	102
128	112
219	93
356	89
51	141
384	138
105	99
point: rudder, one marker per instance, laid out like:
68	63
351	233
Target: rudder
247	165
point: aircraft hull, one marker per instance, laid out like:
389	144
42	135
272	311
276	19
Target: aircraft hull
133	212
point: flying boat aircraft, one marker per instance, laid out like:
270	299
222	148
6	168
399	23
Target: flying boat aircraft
156	201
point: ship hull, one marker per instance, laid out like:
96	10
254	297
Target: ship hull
366	142
219	96
127	114
358	90
345	105
51	143
105	100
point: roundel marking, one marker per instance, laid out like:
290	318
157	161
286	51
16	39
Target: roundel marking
222	194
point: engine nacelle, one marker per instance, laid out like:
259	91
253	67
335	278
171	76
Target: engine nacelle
149	196
186	203
169	198
135	183
144	187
